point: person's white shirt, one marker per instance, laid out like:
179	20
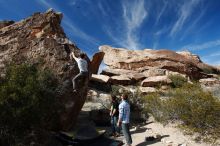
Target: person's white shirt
124	112
82	64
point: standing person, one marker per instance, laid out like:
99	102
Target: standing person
114	116
124	118
83	69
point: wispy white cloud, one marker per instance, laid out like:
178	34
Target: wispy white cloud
206	45
210	60
46	4
161	12
157	36
75	31
194	25
134	13
184	13
102	9
213	54
155	45
161	31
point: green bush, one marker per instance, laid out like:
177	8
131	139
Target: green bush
196	109
177	81
28	103
154	105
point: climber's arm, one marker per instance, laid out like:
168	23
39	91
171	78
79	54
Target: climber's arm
72	55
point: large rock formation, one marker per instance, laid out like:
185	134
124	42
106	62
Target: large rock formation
40	39
156	62
96	61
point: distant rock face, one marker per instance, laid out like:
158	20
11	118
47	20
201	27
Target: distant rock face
209	81
155	81
40	39
156	62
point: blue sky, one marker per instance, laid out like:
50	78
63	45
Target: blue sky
192	25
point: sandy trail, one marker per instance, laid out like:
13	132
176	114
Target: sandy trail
170	136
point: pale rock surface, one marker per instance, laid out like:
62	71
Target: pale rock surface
154	72
96	61
154	81
168	73
145	90
100	78
113	72
209	81
120	80
136	60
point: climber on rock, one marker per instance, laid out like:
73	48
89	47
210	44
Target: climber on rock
83	70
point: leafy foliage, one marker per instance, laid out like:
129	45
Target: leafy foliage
177	81
28	102
196	109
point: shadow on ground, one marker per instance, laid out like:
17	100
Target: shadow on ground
100	141
152	142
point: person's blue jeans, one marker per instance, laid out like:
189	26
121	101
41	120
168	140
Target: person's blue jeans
126	133
114	126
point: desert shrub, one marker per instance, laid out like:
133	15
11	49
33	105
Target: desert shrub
154	105
196	109
115	90
177	80
28	103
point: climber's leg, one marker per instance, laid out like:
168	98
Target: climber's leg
78	79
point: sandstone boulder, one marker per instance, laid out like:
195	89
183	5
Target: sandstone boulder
155	81
146	90
190	56
136	76
209	81
189	64
114	72
133	75
40	39
154	72
168	73
100	78
96	61
121	80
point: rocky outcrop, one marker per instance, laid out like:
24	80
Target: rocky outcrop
154	72
100	78
41	40
121	80
96	61
156	81
146	90
144	60
195	58
209	81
